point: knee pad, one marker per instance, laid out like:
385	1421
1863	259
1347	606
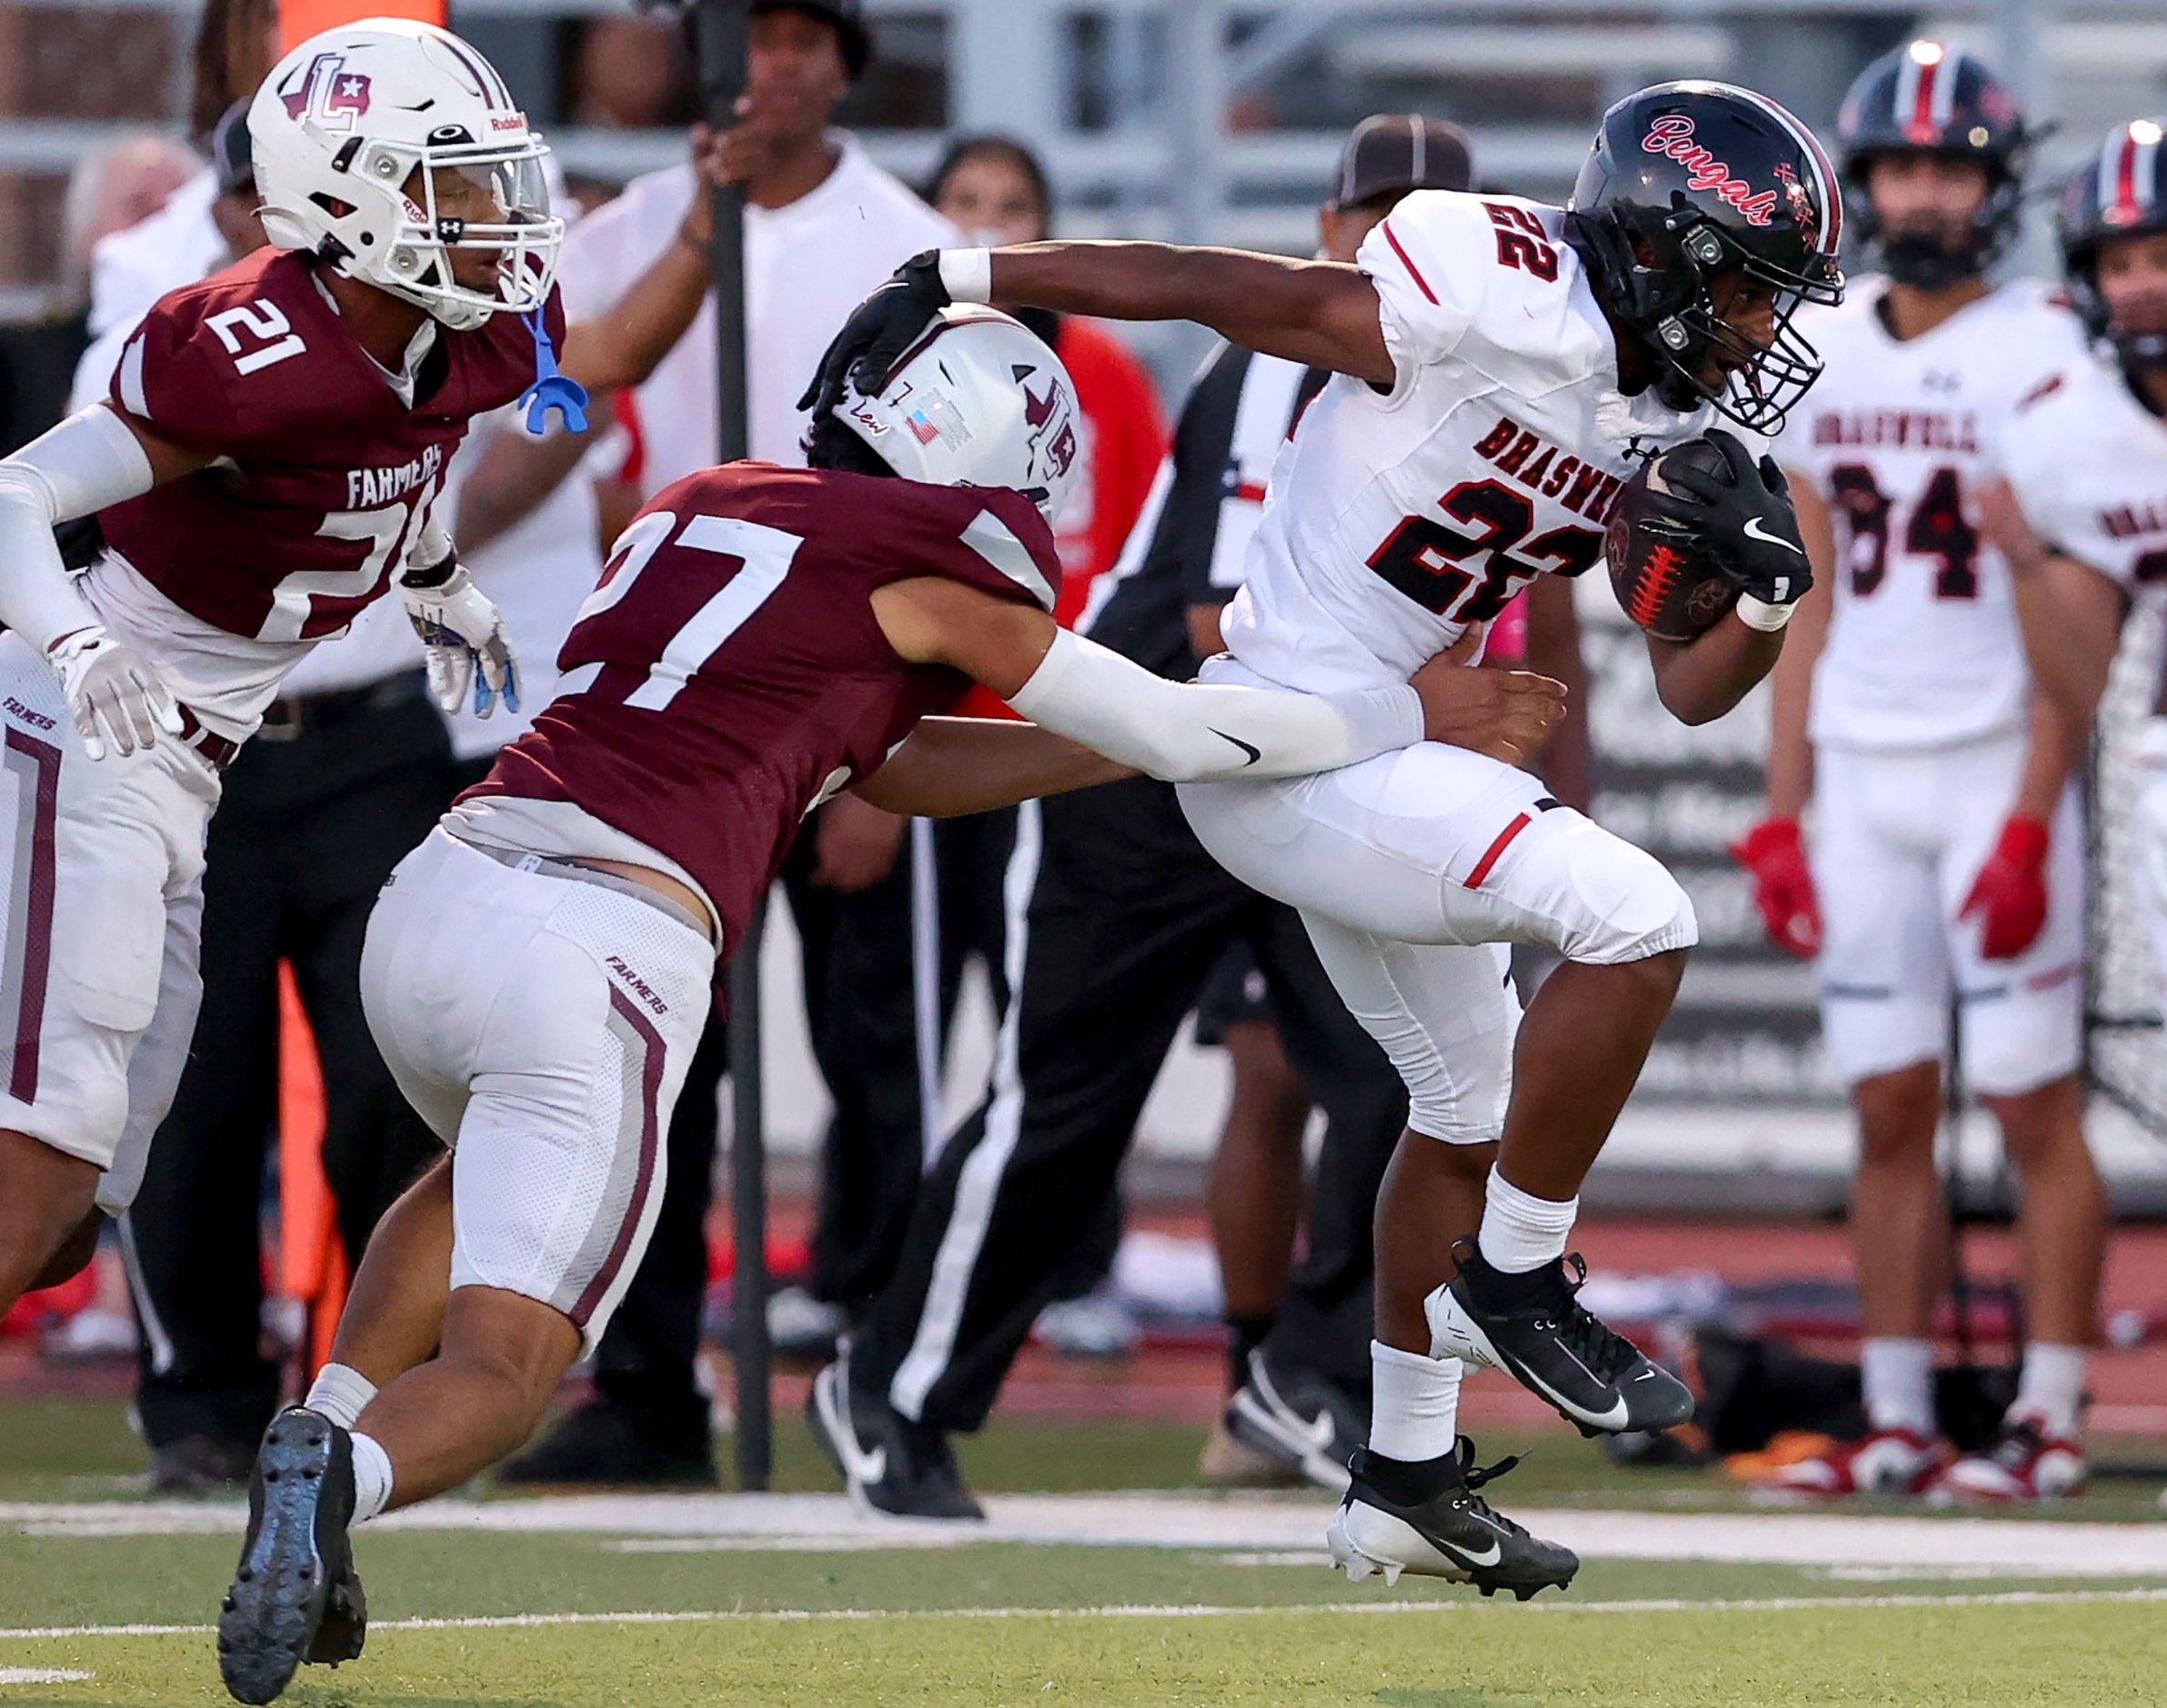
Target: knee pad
1602	899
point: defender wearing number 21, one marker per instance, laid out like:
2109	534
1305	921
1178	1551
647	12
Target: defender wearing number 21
263	469
1505	374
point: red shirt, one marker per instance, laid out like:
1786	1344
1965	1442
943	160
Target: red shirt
731	674
325	476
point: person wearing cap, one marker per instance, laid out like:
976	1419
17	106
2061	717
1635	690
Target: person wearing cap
1117	920
823	227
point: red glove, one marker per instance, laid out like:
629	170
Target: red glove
2010	895
1783	886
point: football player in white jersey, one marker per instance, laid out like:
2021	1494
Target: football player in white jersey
2083	515
1948	851
1501	365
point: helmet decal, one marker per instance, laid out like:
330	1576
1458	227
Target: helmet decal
1924	94
1671	134
335	99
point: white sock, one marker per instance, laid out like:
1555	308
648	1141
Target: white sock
340	1392
2051	1387
372	1478
1898	1379
1520	1231
1414	1403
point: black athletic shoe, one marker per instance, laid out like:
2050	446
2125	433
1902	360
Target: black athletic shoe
296	1596
888	1462
1533	1329
606	1443
1429	1519
1298	1418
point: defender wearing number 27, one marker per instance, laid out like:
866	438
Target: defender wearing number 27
1511	378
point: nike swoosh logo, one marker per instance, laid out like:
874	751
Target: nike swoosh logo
1645	1375
1488	1556
858	1465
1754	530
1255	754
1614	1419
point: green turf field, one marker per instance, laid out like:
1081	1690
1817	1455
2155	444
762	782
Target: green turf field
579	1619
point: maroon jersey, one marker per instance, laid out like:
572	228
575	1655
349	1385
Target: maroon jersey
729	673
324	477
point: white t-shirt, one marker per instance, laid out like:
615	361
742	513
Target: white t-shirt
807	266
1924	648
2088	464
132	268
1393	522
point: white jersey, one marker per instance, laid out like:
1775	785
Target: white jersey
1924	648
2088	464
1394	520
806	265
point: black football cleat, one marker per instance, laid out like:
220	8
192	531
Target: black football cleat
1533	1328
1298	1418
889	1463
296	1596
608	1443
1431	1518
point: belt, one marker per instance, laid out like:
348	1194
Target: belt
216	748
554	866
291	716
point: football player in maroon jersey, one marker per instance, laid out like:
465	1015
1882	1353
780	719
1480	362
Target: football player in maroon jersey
262	470
538	972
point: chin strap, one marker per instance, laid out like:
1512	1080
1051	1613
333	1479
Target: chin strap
551	389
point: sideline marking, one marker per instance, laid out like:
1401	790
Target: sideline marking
867	1615
44	1675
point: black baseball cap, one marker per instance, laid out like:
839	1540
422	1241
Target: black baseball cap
847	16
1393	153
230	152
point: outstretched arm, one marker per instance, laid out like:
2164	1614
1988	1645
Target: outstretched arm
1323	313
953	766
1190	732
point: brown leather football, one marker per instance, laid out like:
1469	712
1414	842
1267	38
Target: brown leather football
1666	579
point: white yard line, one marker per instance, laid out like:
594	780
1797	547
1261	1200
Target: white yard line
858	1615
827	1522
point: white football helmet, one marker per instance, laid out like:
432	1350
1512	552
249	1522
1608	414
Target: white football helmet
388	147
979	400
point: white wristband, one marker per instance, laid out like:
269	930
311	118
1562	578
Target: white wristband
1760	614
967	275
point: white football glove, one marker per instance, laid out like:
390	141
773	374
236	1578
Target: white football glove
460	630
113	693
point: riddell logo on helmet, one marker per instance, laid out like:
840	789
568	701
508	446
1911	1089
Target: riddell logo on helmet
1673	135
334	98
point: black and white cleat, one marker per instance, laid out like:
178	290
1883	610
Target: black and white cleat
1431	1518
295	1595
1534	1329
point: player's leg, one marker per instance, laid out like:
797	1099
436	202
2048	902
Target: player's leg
1115	918
48	1215
1445	1018
497	989
2022	1046
1439	847
1316	1356
90	852
1884	1004
1254	1196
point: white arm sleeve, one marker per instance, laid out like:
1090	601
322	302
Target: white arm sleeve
89	461
1189	732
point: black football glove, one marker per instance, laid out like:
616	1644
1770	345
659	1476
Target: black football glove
879	331
1746	524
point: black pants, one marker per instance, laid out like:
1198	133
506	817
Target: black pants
306	834
1127	915
857	971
